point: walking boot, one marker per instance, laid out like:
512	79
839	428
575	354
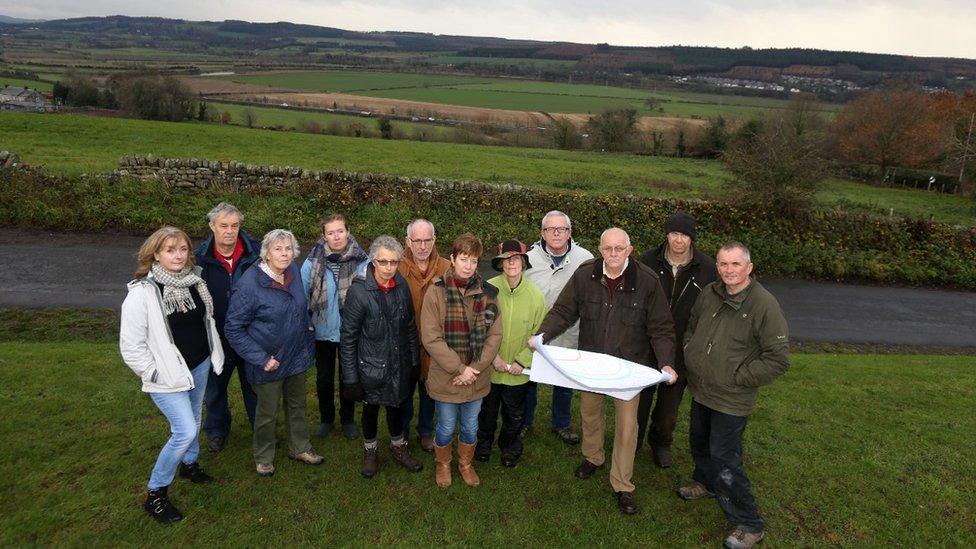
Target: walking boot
160	508
442	465
401	454
465	456
370	462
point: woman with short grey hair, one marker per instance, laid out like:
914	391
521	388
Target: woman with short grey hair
380	351
269	326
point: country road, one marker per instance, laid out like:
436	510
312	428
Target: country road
44	269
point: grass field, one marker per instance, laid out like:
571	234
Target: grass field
271	117
844	450
530	62
507	93
73	144
19	82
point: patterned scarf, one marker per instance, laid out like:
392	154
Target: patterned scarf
176	289
321	257
464	340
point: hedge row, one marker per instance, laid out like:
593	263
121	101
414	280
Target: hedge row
832	246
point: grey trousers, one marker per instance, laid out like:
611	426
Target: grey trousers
292	391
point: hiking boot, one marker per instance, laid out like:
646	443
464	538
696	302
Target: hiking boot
215	444
323	430
567	436
626	503
662	456
482	453
426	442
509	460
465	456
308	458
693	491
740	539
159	507
442	465
586	469
194	473
401	455
371	462
349	431
264	469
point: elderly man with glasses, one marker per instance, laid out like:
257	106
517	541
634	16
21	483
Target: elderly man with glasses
554	259
622	311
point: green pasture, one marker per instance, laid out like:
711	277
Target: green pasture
845	450
349	81
530	62
271	117
72	144
22	83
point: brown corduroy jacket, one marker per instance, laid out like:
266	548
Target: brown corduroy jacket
418	281
445	364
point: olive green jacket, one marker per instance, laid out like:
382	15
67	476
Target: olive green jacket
733	346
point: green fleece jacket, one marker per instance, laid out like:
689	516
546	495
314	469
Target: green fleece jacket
734	345
522	312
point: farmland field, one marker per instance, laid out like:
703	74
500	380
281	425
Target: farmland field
19	82
288	118
72	144
514	94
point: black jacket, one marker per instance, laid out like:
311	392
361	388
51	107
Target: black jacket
682	291
220	282
379	351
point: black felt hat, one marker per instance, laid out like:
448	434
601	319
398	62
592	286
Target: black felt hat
506	250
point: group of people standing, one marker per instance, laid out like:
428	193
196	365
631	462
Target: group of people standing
402	319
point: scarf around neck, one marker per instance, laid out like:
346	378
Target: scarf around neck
347	260
463	339
176	289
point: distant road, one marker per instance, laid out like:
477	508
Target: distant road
42	269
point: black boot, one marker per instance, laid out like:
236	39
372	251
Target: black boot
159	507
194	473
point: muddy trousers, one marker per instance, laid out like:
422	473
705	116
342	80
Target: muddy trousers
716	446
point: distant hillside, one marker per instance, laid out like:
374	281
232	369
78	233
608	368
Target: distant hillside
832	74
16	21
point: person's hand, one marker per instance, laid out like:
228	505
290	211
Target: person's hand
499	364
354	392
670	371
531	343
467	376
271	365
515	369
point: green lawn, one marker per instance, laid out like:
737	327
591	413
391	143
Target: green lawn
72	144
844	450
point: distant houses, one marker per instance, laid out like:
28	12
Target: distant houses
14	98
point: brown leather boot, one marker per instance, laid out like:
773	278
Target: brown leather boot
465	456
442	465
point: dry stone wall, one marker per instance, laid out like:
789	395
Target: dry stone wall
9	159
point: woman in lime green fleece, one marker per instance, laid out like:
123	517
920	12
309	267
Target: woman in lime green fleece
523	308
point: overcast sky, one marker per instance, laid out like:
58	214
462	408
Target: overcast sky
943	28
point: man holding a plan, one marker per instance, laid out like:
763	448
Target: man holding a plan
623	312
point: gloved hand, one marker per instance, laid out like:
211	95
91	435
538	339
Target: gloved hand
353	392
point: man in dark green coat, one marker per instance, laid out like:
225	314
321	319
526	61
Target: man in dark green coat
736	342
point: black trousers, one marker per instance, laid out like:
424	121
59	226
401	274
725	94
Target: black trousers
394	420
716	446
660	432
510	400
326	353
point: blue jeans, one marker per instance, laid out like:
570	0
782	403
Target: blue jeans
217	423
425	421
182	409
447	418
562	402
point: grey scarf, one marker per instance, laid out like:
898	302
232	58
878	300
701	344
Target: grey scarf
176	289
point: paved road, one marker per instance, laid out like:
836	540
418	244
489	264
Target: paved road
42	269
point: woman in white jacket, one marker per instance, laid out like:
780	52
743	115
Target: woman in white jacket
169	339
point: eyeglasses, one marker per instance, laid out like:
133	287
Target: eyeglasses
614	249
556	230
386	262
422	241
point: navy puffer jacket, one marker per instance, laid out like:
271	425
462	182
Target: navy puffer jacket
265	320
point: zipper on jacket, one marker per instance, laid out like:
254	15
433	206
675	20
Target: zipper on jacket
711	336
677	299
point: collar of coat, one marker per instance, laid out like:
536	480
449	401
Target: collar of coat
411	264
734	301
205	251
368	278
266	281
630	274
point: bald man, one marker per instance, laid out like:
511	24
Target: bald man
622	311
